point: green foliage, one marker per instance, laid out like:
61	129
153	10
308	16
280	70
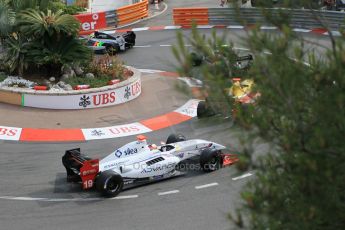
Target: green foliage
301	112
39	24
66	9
218	66
3	76
34	35
96	82
105	69
15	58
7	19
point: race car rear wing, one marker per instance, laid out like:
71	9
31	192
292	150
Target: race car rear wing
80	168
88	173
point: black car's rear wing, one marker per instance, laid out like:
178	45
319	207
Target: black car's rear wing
80	168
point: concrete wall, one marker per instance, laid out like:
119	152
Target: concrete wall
9	97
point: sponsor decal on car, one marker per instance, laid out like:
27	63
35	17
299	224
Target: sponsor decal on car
159	168
115	164
130	151
118	153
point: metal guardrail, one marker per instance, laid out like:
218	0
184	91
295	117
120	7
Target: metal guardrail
113	18
299	18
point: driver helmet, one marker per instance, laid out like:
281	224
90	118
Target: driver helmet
153	147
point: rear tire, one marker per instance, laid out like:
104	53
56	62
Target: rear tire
201	110
173	138
210	160
109	183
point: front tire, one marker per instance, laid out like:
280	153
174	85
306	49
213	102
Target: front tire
173	138
109	183
112	50
210	160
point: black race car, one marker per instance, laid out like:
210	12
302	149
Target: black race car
112	44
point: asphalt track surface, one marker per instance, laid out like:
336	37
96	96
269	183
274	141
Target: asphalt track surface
195	201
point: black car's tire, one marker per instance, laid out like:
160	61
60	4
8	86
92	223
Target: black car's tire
210	160
173	138
201	110
112	50
109	183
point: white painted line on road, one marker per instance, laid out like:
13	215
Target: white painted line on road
300	30
334	33
168	192
142	46
124	197
243	176
172	27
235	27
150	71
268	27
140	29
165	45
205	27
240	48
187	45
48	199
21	198
206	185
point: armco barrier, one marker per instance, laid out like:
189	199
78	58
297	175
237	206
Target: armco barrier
132	13
186	16
113	18
299	18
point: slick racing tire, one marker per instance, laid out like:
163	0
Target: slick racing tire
173	138
210	160
201	110
204	110
109	183
112	50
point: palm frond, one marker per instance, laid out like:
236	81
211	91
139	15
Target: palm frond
7	19
39	24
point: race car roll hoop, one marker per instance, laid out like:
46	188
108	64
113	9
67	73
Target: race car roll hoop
138	163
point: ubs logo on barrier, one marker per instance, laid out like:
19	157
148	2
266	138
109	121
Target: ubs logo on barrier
103	99
84	101
97	100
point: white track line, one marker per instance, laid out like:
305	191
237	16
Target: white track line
268	28
48	199
206	185
150	71
124	197
172	27
235	27
140	29
168	192
243	176
165	45
301	30
142	46
205	27
20	198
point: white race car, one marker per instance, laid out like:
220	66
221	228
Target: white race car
138	163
